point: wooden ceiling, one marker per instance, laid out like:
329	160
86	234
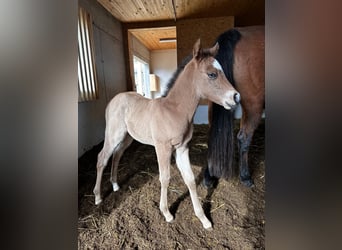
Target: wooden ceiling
150	37
134	11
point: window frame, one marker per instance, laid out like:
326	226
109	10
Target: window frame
87	76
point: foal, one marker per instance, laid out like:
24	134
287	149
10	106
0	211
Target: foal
166	123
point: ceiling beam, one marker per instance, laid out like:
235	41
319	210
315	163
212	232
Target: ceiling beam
149	24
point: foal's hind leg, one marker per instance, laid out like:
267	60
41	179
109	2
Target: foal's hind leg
116	159
102	160
183	163
112	141
249	122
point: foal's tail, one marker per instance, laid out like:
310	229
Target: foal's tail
221	134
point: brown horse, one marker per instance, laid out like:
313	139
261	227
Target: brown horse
242	56
166	123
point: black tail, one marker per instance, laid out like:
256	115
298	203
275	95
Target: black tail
221	134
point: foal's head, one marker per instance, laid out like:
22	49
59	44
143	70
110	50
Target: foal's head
211	82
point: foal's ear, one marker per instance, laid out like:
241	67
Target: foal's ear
197	48
213	51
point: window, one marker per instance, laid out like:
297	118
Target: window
87	80
141	77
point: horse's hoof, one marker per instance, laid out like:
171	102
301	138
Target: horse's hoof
116	187
208	183
248	183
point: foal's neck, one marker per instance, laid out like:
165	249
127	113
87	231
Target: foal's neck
183	95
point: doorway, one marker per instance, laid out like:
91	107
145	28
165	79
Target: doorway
141	76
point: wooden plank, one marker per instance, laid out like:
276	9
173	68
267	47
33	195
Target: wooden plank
212	8
207	29
128	11
139	10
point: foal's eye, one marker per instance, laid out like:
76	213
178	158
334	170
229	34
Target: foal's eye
212	75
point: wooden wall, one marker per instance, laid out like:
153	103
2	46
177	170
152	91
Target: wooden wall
208	29
110	70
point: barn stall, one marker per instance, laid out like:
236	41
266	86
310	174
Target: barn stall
125	34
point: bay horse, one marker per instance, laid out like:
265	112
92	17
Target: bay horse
242	56
166	123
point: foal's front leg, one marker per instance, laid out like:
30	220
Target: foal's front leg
164	159
183	163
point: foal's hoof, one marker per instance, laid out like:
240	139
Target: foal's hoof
208	226
116	187
248	183
98	201
169	218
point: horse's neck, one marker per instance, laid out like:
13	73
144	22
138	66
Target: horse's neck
183	94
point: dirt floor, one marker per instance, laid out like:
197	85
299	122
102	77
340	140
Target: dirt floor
131	219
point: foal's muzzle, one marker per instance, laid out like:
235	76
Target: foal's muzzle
234	101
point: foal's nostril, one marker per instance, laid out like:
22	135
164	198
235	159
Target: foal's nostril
237	98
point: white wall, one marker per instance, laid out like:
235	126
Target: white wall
163	64
110	69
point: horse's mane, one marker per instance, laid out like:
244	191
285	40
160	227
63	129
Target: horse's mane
175	75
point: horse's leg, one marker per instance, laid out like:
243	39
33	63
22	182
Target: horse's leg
102	160
249	122
164	159
116	159
183	163
112	141
208	180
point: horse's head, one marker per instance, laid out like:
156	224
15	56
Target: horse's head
210	79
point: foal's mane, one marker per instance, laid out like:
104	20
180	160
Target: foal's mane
204	53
